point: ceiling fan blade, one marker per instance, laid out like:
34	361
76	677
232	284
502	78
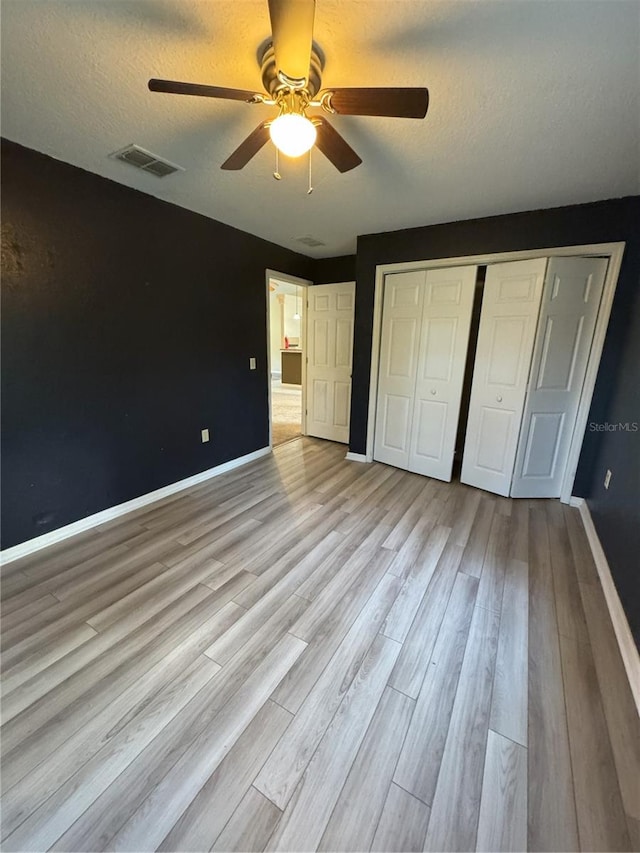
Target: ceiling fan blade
335	148
173	87
400	103
292	30
247	149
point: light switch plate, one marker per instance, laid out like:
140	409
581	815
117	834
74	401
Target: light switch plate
252	363
205	435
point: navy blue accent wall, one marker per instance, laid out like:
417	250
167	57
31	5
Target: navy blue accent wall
333	270
616	512
127	326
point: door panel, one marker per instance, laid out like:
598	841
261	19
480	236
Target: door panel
444	338
430	437
510	308
344	341
405	289
341	403
425	333
439	348
395	424
570	303
560	348
542	444
401	360
320	337
318	400
402	314
330	319
493	436
508	360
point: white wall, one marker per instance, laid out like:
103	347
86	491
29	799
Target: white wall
293	301
275	341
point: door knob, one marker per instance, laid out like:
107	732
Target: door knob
433	391
499	398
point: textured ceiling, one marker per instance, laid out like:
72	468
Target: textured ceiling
533	104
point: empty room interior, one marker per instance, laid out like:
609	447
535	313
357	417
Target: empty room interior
320	439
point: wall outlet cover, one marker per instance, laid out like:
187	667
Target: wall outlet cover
205	435
607	479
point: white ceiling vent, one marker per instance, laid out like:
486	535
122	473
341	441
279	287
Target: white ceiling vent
310	241
145	160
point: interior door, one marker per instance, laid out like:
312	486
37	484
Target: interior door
399	347
510	309
330	317
447	306
570	302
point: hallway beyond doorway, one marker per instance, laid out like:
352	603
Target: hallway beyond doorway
286	411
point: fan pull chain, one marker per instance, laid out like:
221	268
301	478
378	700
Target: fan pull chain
310	190
277	174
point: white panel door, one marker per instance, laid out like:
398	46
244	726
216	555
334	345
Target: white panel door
399	347
570	302
444	336
510	308
330	316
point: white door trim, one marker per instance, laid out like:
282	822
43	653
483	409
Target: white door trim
301	282
614	251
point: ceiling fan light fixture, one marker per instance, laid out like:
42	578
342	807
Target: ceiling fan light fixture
293	134
291	46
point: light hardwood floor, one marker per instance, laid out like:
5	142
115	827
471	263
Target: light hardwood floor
313	654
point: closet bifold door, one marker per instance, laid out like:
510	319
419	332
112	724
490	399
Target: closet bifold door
570	303
399	346
425	334
508	321
444	337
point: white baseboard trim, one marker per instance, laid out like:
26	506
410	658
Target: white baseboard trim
626	643
577	502
33	545
356	457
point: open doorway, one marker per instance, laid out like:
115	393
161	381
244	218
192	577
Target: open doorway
287	305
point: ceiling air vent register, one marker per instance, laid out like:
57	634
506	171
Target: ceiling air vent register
139	157
310	241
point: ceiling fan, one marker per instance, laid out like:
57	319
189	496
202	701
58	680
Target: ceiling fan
291	66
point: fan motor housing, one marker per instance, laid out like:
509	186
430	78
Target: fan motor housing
272	82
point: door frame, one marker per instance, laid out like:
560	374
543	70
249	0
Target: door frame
300	282
613	251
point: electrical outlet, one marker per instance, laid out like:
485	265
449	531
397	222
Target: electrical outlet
252	364
205	435
607	479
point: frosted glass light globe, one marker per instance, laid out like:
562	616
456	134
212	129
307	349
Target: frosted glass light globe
292	134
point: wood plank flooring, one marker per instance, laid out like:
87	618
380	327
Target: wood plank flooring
308	653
